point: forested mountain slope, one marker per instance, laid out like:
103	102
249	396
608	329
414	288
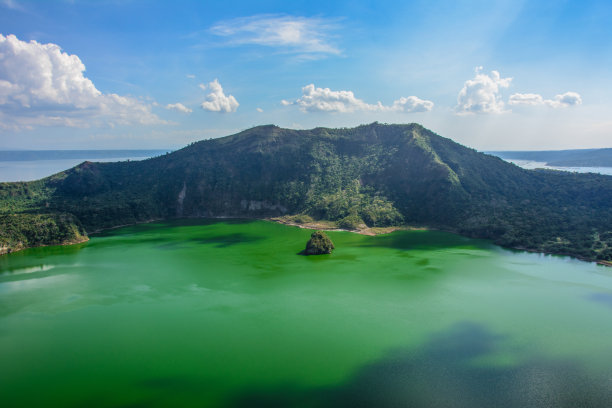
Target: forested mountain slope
378	174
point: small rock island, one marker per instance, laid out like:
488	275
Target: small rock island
318	244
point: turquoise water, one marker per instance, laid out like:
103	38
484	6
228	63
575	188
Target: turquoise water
226	313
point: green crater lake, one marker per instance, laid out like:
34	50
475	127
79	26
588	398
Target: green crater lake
225	313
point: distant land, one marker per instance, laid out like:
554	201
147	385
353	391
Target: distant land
562	158
377	175
27	155
29	165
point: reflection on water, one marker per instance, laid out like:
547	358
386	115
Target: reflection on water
446	372
603	298
195	313
31	269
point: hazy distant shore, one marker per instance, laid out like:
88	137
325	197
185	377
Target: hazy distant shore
29	165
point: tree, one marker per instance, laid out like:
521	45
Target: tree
319	244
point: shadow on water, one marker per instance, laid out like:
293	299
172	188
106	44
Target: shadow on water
168	388
172	242
444	374
35	257
422	262
179	222
226	240
173	384
164	239
602	298
42	252
406	240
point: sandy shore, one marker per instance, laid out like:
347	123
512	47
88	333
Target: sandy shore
331	226
313	225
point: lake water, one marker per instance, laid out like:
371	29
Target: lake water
226	313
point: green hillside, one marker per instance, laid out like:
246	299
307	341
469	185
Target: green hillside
380	175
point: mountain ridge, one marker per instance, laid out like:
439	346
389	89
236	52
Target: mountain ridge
376	174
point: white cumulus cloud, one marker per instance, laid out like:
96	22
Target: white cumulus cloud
306	35
412	104
561	101
216	100
482	94
324	99
526	99
567	99
179	107
40	85
315	99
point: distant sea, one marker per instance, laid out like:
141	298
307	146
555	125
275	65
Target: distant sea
28	165
530	165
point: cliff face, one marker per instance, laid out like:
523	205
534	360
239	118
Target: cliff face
379	174
268	171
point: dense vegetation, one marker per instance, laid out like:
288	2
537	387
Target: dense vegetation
378	175
23	230
319	244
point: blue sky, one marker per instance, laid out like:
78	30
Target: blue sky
146	74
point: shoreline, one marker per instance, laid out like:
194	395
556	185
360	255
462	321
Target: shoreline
329	226
6	251
325	226
535	251
312	225
123	225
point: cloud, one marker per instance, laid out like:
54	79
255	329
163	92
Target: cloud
42	86
526	99
561	101
216	100
179	107
325	100
482	94
190	76
303	35
259	110
566	99
412	104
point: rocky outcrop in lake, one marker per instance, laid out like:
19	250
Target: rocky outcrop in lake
319	244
